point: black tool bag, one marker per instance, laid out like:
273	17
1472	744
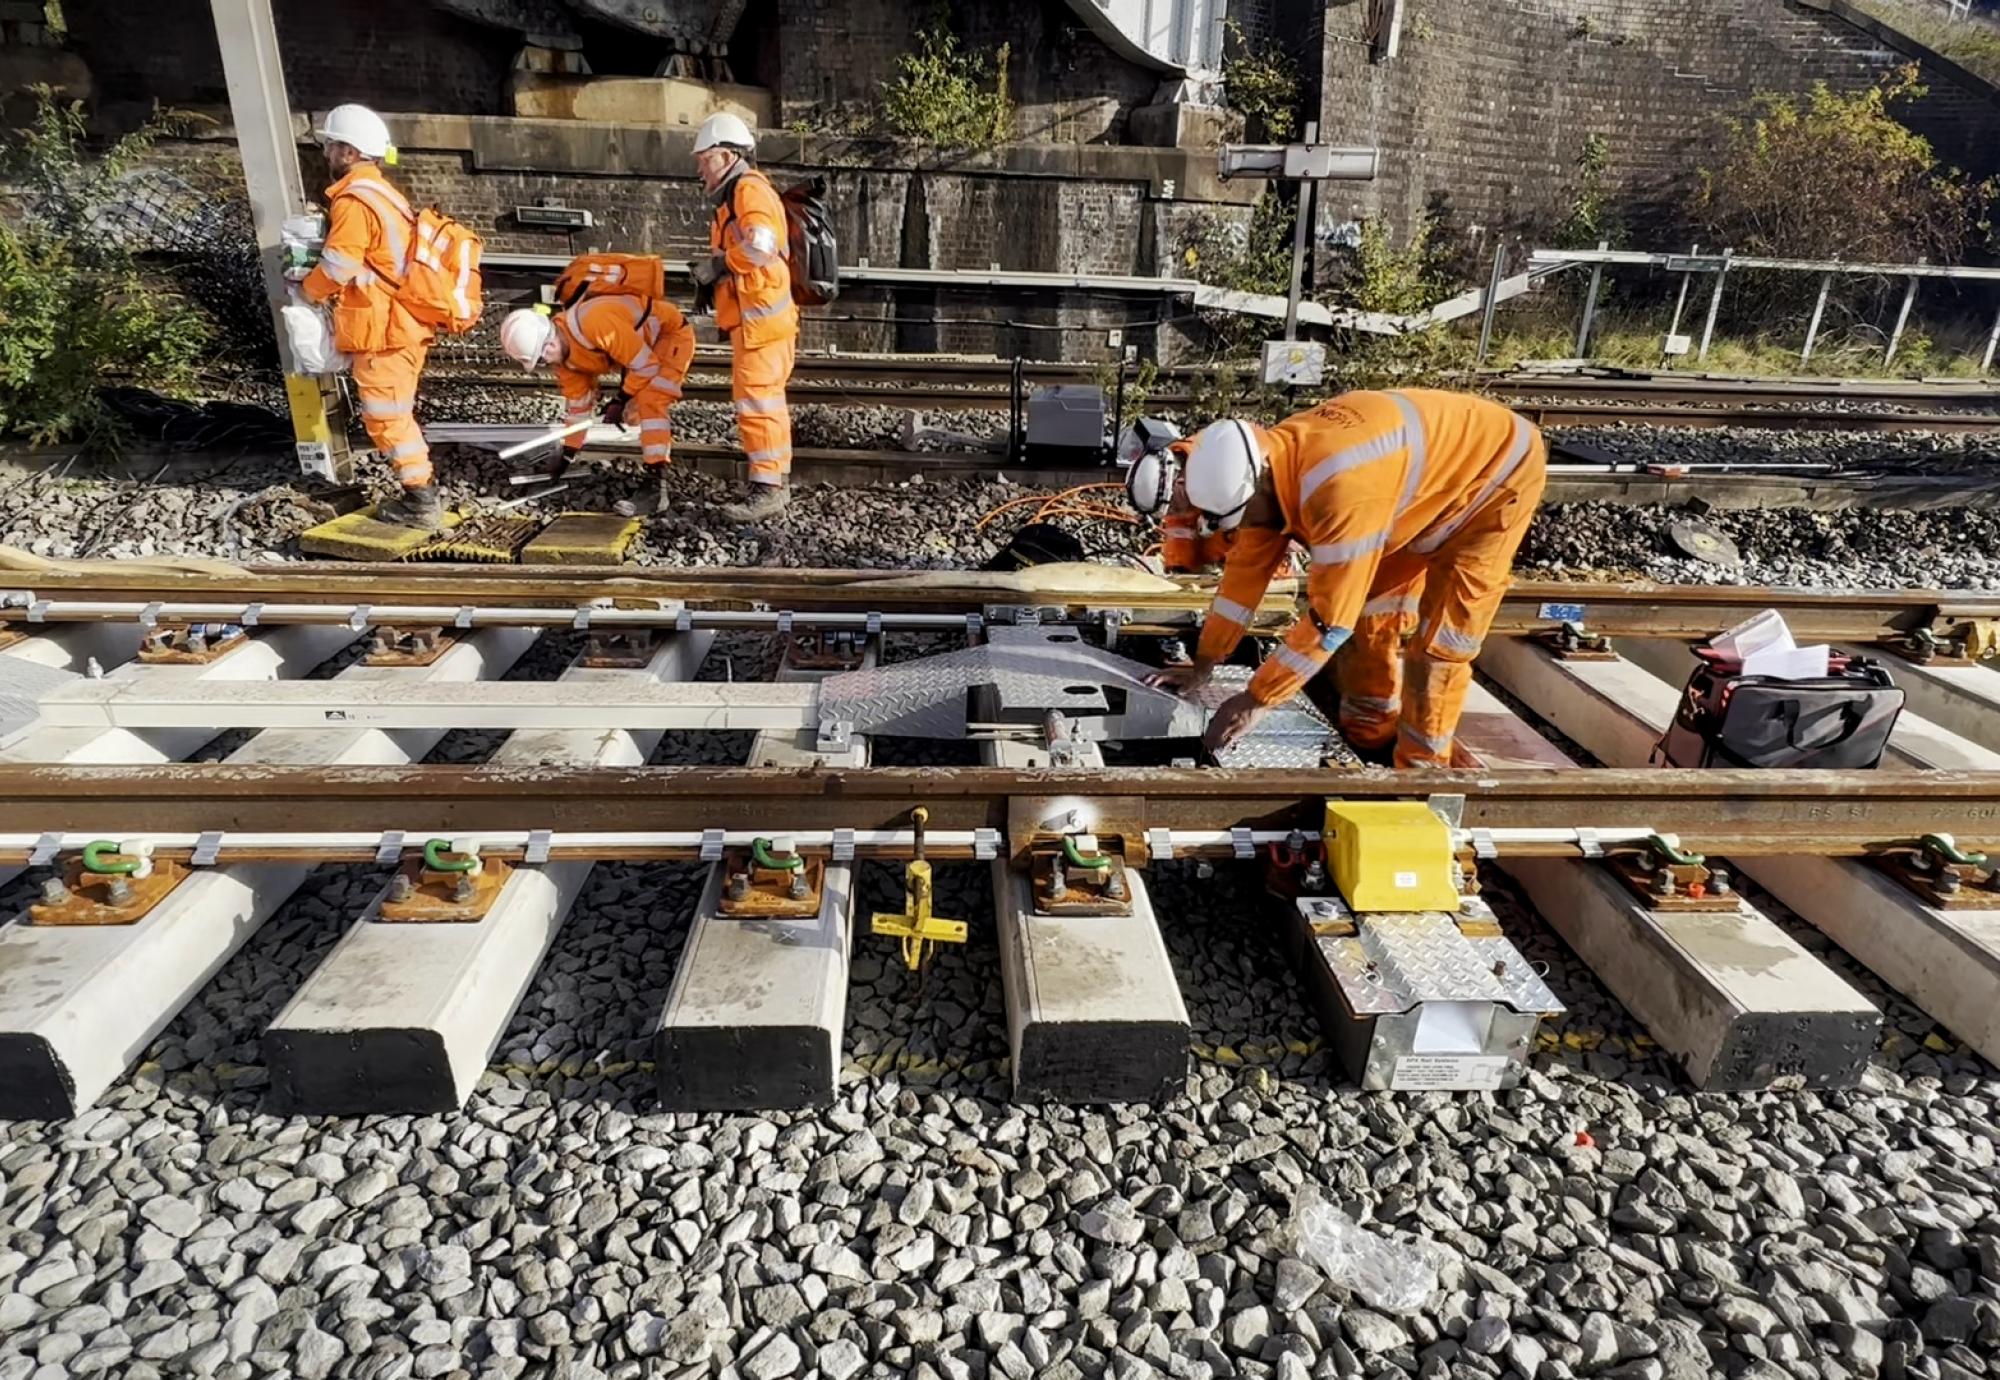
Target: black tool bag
1727	719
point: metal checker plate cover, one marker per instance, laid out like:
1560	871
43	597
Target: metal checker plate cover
1293	734
23	684
1397	962
1027	670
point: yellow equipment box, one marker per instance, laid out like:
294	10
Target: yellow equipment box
1390	855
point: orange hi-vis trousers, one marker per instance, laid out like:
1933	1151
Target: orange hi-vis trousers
386	383
757	378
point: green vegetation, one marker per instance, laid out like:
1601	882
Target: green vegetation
946	96
1262	83
1826	175
1592	218
1972	42
1397	281
74	307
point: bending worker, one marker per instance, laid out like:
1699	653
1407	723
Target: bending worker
366	256
1412	504
750	283
645	337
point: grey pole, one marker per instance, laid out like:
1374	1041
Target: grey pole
270	150
1714	304
1681	300
1301	216
1902	318
1492	300
1992	341
1590	304
1819	308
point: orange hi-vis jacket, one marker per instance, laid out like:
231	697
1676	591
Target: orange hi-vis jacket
1361	477
754	299
364	260
646	337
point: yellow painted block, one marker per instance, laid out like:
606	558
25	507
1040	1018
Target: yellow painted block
1390	855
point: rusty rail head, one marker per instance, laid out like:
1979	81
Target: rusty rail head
1640	609
1743	813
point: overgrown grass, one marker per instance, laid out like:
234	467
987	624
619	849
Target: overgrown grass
1944	351
1973	42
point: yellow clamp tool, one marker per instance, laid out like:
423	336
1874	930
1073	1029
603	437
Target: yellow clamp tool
916	926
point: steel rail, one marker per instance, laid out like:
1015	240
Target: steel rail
1740	813
388	594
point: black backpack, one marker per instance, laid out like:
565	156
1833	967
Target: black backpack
1841	720
814	254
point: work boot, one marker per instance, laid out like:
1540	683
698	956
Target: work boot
418	508
764	501
650	500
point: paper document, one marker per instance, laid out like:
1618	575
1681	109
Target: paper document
1765	647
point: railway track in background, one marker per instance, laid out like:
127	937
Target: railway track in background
1551	400
405	1008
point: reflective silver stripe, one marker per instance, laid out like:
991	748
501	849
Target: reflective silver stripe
655	424
461	291
1341	552
1369	708
1413	429
759	313
366	277
337	265
652	453
389	407
642	362
1178	529
1389	603
665	385
408	448
1333	639
1438	536
388	206
762	406
582	409
781	453
1298	663
1436	747
1230	609
1452	640
1358	454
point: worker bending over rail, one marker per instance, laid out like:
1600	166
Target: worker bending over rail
618	318
370	227
748	279
1412	504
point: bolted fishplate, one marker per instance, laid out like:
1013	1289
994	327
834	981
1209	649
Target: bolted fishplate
106	885
1941	874
824	649
1572	642
448	885
183	644
620	649
769	880
1670	880
1072	876
389	646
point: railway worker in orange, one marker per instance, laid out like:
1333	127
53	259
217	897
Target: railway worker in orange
645	337
747	277
1412	504
366	256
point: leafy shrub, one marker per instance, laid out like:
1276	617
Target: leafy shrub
1826	175
1264	84
947	96
74	308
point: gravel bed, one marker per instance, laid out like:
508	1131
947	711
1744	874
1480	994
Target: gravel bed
1600	1220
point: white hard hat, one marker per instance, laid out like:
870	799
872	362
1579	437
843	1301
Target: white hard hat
1145	436
356	125
525	334
1222	469
718	130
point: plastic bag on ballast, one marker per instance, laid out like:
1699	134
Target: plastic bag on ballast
309	333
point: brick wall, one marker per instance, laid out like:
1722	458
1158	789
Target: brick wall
392	54
1489	105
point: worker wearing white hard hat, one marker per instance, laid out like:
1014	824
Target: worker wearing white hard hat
1154	454
370	226
1412	504
642	337
748	280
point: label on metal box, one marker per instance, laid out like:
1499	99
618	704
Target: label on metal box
1449	1073
1562	613
316	459
1406	881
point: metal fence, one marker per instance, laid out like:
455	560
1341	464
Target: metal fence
1722	265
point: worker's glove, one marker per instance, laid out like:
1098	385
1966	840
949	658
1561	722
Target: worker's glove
614	412
707	272
297	273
